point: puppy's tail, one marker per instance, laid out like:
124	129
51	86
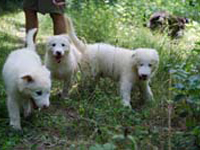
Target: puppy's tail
29	39
71	32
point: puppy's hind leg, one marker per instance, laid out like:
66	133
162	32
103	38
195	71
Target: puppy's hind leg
14	113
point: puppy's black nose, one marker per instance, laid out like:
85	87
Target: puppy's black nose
143	77
58	53
45	107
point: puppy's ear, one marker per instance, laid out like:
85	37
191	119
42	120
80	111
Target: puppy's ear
133	55
156	56
67	38
134	58
49	38
27	78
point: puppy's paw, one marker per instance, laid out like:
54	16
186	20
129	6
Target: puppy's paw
13	131
126	104
27	114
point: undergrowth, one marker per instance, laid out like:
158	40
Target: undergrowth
93	117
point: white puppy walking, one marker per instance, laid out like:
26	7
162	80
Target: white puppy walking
130	67
62	59
27	82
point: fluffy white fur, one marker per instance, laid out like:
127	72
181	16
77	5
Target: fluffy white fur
132	68
27	82
62	59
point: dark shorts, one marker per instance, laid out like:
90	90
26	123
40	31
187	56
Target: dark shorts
43	6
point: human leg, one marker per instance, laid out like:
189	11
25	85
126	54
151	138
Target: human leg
31	20
59	24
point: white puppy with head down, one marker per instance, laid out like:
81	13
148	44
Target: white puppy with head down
27	82
62	59
132	68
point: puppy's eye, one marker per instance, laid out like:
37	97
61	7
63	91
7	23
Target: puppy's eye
53	44
63	44
39	93
150	65
141	64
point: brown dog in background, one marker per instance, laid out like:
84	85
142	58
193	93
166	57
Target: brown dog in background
163	21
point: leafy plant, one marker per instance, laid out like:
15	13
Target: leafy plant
186	94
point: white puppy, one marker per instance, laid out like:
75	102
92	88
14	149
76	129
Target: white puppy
27	81
62	59
129	67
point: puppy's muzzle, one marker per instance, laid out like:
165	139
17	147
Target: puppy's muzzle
143	77
45	107
58	53
58	56
34	105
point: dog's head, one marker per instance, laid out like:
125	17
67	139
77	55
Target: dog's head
36	86
145	62
158	20
58	46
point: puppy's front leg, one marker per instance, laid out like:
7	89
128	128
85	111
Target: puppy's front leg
125	91
14	114
145	90
27	109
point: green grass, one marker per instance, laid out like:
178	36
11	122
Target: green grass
93	118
